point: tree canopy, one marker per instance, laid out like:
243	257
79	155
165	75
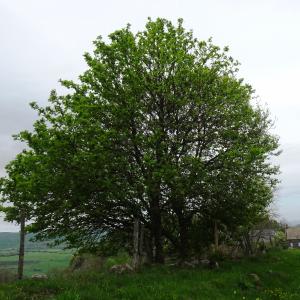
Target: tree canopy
160	128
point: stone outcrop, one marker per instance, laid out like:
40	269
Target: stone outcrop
120	269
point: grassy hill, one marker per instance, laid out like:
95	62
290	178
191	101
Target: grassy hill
274	276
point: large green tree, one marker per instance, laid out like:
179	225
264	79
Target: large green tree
159	128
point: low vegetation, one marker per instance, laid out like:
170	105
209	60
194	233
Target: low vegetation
269	277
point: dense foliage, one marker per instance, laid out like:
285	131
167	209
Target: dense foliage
159	128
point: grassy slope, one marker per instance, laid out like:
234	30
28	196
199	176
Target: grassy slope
279	275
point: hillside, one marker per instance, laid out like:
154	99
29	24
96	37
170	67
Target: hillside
274	276
10	241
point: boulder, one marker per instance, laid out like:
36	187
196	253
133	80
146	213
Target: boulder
86	261
213	264
255	278
120	269
204	262
39	276
187	264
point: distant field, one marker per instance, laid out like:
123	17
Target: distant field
38	261
39	257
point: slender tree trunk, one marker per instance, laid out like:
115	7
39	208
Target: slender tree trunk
22	248
141	244
248	244
183	230
136	258
149	247
157	235
216	235
156	223
183	223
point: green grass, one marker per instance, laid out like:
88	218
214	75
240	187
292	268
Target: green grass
279	274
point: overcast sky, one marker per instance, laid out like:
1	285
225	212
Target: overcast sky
43	41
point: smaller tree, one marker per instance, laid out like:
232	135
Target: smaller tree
16	194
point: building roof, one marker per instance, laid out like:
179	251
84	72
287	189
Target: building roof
293	233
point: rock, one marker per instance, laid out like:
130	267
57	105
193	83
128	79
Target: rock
187	264
77	262
120	269
209	263
195	262
39	276
204	262
129	267
173	265
86	261
213	264
255	279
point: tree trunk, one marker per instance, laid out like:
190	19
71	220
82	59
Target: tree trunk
156	223
216	235
183	223
247	244
149	247
183	230
136	256
141	244
22	248
157	234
